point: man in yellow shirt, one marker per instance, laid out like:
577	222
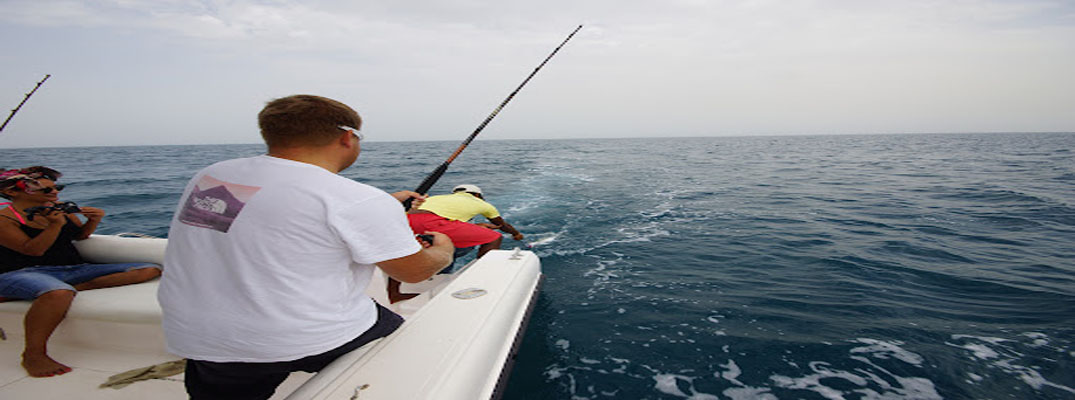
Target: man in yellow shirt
448	214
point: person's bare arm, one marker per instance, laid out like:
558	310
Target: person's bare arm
419	266
506	227
93	217
15	239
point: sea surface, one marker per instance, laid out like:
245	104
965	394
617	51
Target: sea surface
799	267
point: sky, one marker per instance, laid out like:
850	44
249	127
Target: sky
145	72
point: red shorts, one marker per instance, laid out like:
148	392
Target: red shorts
463	234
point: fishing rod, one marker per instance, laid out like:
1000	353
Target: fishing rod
24	101
436	174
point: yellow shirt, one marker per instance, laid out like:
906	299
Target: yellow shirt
459	206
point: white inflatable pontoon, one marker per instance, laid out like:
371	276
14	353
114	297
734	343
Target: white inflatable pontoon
458	342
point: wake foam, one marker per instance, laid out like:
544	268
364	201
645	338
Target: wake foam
1007	357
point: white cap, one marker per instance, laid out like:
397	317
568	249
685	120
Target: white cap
468	189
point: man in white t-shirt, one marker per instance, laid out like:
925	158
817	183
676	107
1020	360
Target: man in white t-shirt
269	257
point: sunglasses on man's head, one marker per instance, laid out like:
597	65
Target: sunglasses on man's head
358	135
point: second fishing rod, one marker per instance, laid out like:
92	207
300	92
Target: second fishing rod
430	180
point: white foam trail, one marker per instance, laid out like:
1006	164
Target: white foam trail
749	393
732	373
546	240
667	383
909	388
868	380
883	350
1002	354
742	392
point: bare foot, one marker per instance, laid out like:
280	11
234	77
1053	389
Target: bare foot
42	366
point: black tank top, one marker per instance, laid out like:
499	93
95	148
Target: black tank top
62	251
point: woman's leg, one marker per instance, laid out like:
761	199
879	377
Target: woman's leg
120	279
41	320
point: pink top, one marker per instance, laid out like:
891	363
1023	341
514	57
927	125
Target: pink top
13	211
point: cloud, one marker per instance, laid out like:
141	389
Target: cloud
430	69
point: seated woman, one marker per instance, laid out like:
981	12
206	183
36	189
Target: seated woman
39	262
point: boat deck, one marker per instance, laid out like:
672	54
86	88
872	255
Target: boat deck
106	332
451	335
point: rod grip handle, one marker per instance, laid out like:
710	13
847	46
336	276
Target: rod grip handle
427	184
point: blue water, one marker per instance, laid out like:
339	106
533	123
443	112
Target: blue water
838	267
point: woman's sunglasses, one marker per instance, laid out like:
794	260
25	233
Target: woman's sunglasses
49	189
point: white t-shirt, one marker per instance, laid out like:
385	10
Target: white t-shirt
269	259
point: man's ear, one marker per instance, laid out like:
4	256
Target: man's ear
345	140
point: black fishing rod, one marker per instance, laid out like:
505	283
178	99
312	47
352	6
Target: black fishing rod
433	177
23	101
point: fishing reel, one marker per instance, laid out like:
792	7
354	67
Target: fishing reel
425	238
68	207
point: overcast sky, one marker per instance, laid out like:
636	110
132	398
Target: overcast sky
144	72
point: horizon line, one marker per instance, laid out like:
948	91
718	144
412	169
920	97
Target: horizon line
583	138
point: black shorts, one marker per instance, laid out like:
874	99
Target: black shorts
242	380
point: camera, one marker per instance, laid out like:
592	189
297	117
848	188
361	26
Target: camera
68	207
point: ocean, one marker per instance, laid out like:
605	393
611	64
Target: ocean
795	267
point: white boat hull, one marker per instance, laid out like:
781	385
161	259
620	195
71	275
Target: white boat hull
450	347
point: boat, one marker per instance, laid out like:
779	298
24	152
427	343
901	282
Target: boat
459	339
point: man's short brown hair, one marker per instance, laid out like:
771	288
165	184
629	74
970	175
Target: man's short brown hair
305	120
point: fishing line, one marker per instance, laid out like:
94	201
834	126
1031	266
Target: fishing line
430	180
